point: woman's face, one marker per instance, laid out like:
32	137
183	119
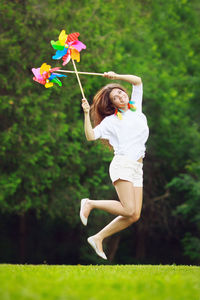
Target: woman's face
119	98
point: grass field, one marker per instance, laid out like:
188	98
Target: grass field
19	282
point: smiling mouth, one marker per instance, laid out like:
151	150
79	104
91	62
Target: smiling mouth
122	106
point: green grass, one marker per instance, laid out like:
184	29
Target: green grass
18	282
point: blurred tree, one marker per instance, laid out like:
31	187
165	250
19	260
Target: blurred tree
46	163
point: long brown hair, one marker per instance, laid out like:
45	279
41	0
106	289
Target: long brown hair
102	105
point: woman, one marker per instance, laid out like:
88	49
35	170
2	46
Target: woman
125	127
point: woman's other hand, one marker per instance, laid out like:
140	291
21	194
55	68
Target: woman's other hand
85	106
111	75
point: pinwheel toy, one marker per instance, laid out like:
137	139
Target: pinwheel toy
68	47
46	76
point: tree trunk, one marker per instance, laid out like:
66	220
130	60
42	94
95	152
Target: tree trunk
113	244
22	236
140	242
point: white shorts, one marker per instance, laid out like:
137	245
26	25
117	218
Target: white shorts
122	167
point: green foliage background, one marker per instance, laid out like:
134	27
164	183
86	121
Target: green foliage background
46	164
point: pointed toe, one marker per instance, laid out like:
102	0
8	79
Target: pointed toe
82	217
94	246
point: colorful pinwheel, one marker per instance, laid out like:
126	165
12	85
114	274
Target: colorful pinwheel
44	75
68	46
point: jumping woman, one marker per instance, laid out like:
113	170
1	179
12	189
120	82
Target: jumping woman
123	124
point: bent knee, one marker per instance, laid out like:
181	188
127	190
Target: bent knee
129	213
134	217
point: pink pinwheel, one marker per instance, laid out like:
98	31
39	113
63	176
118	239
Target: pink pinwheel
44	75
68	47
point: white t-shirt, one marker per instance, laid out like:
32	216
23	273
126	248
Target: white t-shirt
129	135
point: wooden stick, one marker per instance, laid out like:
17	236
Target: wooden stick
83	73
78	78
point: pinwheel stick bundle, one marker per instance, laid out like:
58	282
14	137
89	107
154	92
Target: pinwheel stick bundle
82	92
82	73
68	47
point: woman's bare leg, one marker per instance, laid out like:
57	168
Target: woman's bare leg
121	222
126	206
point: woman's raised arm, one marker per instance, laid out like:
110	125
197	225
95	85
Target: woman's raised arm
129	78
